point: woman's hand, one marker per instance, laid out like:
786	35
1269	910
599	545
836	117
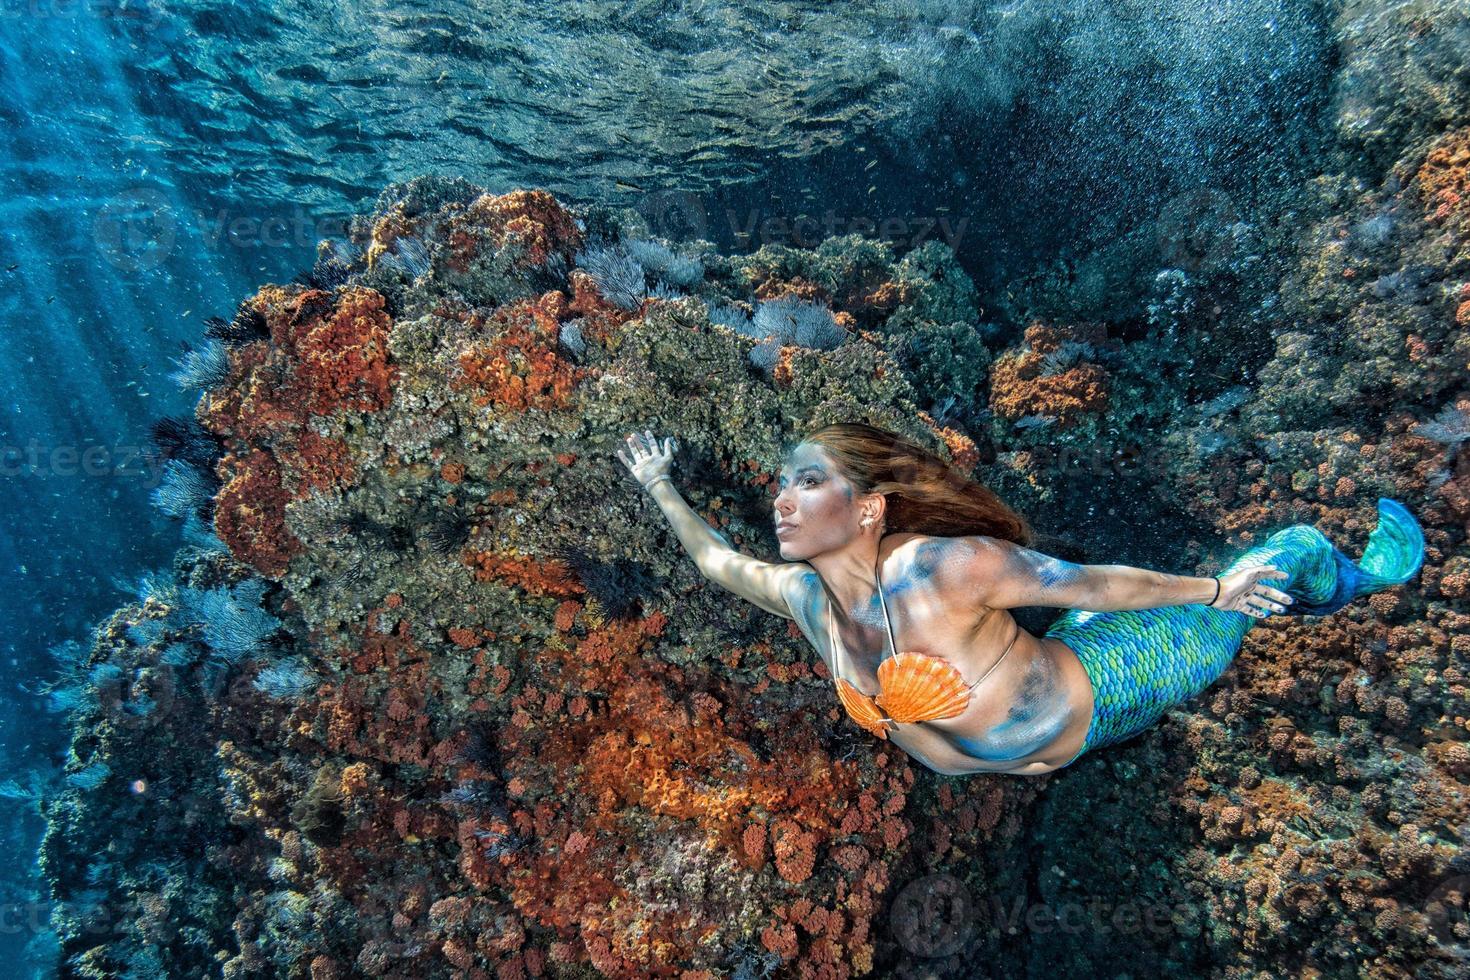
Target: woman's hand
1242	591
645	459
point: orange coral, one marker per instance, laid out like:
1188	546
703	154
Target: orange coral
325	353
320	463
774	287
962	448
521	369
250	512
340	351
1444	177
548	577
1019	388
532	220
794	849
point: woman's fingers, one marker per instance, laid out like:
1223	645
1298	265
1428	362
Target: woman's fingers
646	444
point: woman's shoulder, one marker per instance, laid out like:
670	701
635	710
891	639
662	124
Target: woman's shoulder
932	554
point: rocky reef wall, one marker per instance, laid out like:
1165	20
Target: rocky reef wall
432	691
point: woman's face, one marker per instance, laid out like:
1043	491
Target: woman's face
820	506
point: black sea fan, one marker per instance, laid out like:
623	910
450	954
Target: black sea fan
448	531
186	490
333	266
551	275
247	327
184	440
376	538
618	586
481	746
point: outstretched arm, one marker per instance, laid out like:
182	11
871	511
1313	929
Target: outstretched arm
767	584
1002	575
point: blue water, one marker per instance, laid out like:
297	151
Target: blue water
163	159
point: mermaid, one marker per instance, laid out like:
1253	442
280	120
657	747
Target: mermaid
968	690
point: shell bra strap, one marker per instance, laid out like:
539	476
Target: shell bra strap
893	643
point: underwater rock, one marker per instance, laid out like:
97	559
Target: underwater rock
496	718
441	698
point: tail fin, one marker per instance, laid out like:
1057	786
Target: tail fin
1395	549
1394	555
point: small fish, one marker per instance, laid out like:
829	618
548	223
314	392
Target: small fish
50	300
12	267
871	165
623	185
873	188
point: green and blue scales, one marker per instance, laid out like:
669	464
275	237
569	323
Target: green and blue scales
1144	661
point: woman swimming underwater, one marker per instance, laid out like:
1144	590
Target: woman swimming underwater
967	690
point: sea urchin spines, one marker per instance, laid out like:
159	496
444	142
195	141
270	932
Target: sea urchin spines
186	490
481	746
619	277
206	366
618	586
184	440
448	531
248	326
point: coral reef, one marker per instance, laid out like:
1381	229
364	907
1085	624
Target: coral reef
433	693
471	718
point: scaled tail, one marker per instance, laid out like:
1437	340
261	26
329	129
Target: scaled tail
1394	555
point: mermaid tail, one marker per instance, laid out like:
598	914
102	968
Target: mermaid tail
1142	662
1323	579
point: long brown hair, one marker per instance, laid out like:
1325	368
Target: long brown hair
925	494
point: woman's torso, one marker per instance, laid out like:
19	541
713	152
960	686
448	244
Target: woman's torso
1030	712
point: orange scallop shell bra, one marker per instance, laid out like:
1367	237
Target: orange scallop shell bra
913	686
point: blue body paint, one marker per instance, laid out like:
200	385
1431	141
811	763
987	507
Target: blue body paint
1038	716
